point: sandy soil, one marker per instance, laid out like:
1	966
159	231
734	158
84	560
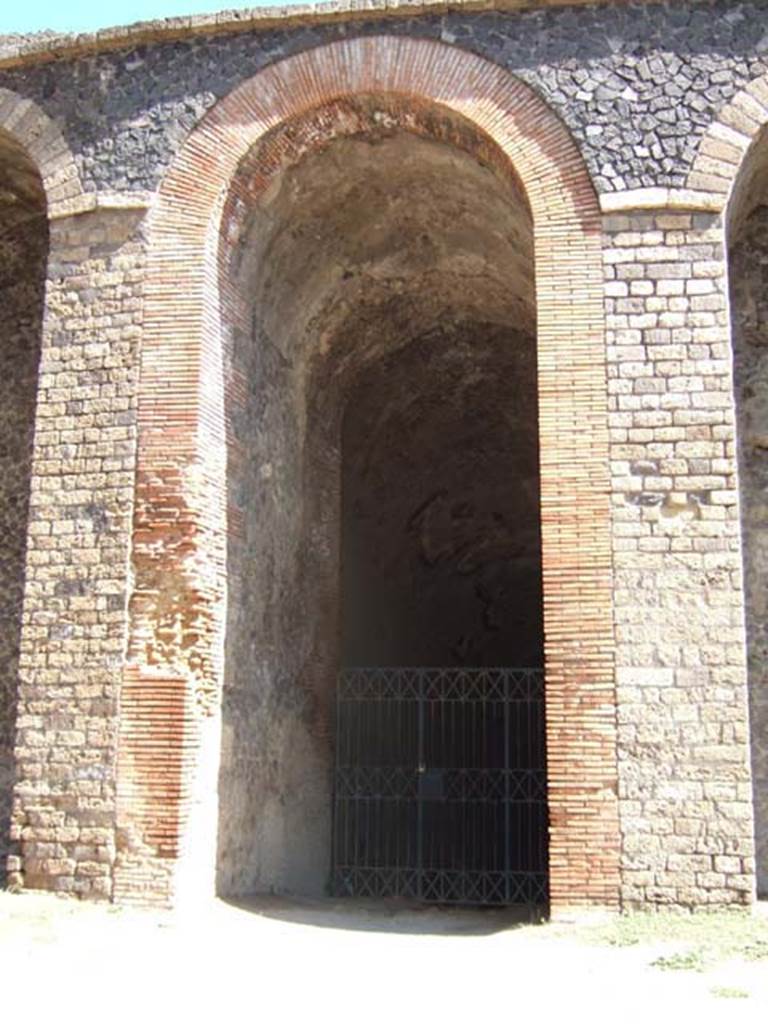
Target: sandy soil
275	961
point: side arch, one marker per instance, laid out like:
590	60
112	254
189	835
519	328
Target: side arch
175	665
44	144
37	172
720	167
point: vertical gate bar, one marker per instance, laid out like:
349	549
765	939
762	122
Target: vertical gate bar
466	755
361	804
394	856
534	713
342	712
368	803
358	807
345	713
484	831
537	720
445	766
419	802
507	823
349	823
336	798
410	724
470	727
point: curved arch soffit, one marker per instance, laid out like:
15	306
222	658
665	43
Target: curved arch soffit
538	144
44	144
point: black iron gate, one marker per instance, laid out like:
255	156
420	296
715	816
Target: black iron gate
440	788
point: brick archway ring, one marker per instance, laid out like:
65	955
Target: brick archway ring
177	614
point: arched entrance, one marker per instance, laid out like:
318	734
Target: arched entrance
23	258
384	509
228	276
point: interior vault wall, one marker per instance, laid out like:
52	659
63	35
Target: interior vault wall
275	776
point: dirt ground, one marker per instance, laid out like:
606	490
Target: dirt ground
270	960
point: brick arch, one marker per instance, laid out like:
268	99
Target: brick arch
177	613
722	151
45	145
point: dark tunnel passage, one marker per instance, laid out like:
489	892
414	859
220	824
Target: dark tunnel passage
441	549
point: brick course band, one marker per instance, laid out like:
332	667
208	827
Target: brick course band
177	612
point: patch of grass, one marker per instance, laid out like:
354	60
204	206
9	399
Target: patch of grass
757	950
724	992
693	941
692	960
622	940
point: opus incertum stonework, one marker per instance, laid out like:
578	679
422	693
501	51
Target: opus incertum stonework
384	454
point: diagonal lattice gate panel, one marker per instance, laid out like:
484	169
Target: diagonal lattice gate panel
440	787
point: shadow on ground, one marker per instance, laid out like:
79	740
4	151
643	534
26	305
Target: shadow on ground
389	916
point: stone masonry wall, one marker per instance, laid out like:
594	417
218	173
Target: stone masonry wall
637	84
685	795
749	305
23	248
77	564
